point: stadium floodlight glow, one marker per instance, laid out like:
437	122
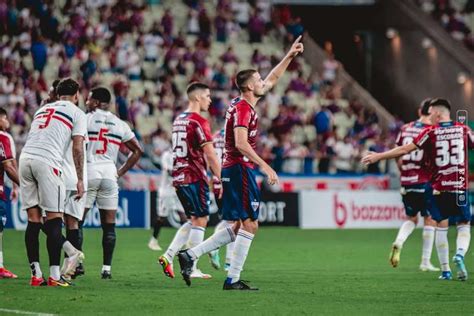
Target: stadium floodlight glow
462	78
426	43
391	33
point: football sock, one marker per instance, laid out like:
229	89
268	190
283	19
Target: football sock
32	241
442	247
196	236
405	230
157	228
71	243
54	272
36	269
107	268
221	225
80	236
463	239
180	238
428	240
241	250
68	248
217	240
108	242
229	252
1	248
54	240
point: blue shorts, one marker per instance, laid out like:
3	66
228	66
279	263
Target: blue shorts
447	205
418	199
3	214
241	197
195	198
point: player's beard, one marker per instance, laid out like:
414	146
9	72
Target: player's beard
258	95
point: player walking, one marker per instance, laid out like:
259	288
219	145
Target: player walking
241	200
192	147
106	134
41	185
168	202
417	194
8	159
446	143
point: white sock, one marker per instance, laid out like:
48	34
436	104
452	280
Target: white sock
69	249
54	272
217	240
442	247
1	248
241	250
1	259
178	242
428	240
196	236
106	268
229	252
405	230
463	239
36	270
221	225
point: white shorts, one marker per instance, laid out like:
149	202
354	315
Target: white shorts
41	185
167	204
72	207
104	192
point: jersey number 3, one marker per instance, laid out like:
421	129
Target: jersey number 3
180	147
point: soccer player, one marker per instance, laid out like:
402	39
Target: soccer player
446	143
241	200
192	147
106	134
7	157
168	201
41	185
416	190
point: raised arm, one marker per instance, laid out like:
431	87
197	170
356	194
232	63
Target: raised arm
132	159
276	73
242	144
396	152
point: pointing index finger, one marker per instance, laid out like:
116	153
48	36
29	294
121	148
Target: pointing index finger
298	39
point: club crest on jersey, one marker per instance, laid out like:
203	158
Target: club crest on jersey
255	205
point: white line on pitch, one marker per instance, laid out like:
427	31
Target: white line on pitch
14	311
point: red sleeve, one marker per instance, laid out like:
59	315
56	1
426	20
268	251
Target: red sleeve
422	140
5	148
470	138
242	116
399	138
204	133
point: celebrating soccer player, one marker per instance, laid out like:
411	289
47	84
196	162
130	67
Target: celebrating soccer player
192	147
417	193
446	144
241	200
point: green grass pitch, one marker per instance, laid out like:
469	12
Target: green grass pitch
298	272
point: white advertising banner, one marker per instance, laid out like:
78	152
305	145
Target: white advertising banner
351	209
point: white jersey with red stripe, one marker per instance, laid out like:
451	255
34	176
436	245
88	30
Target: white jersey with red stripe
166	188
106	134
51	132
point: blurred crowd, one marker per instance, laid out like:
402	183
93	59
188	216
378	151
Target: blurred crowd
456	16
146	53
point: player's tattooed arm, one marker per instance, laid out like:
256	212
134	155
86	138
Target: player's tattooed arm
276	73
10	168
137	152
372	157
242	144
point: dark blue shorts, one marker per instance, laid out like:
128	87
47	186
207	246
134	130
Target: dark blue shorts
241	198
195	198
3	214
449	204
418	199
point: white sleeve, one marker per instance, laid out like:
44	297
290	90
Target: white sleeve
80	124
167	161
127	133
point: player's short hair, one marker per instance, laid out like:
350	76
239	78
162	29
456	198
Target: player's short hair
425	106
3	112
67	86
55	84
242	78
194	86
101	94
441	102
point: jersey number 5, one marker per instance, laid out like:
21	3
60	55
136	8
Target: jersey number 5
103	140
48	117
180	147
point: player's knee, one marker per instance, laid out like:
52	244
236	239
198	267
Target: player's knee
199	221
414	219
71	222
34	215
250	226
